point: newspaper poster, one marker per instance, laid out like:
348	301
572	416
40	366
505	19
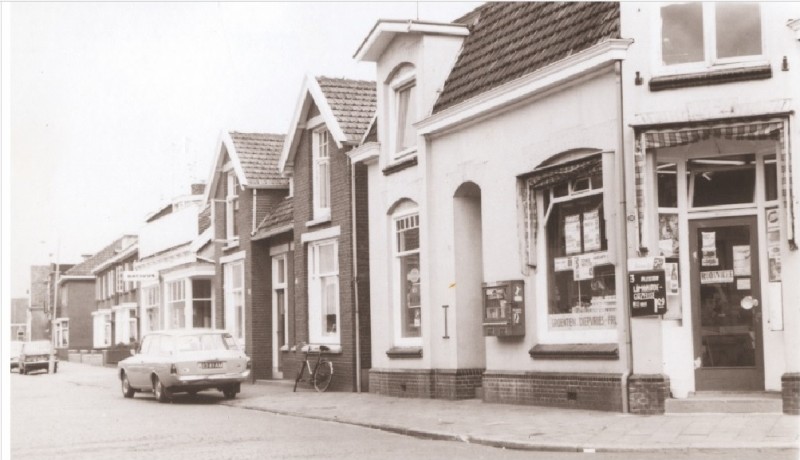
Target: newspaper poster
668	234
709	250
741	260
773	246
572	233
591	231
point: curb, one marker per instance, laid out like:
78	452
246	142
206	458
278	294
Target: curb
517	445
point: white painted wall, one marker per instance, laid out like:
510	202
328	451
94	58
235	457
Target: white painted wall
640	21
176	228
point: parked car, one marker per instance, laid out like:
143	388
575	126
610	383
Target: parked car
16	347
36	355
185	361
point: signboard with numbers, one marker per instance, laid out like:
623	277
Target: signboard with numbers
648	293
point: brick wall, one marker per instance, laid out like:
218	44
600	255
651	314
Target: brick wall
568	390
79	307
362	260
341	216
647	393
426	383
790	390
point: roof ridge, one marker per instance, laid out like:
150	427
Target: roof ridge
353	80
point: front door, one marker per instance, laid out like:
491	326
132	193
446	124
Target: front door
726	310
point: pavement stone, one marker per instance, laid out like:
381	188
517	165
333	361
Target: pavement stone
512	426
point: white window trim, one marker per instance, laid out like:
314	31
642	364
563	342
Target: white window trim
231	200
711	62
190	306
169	301
397	291
285	286
405	79
314	303
320	213
240	255
229	314
323	234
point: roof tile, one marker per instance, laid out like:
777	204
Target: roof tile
353	104
508	40
259	154
86	267
280	215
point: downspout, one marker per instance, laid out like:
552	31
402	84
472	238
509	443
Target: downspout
622	248
255	207
355	271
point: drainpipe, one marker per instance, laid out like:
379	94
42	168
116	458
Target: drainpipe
355	271
622	248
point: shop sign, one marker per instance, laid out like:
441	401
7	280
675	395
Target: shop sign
647	293
582	321
716	277
139	277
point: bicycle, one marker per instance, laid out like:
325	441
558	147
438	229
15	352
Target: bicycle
322	372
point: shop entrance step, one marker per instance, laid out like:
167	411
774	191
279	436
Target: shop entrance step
730	402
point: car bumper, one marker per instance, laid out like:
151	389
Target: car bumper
36	365
208	380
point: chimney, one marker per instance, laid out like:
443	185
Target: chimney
198	189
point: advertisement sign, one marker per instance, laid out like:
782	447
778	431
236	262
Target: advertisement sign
591	231
648	293
741	260
716	277
134	277
572	233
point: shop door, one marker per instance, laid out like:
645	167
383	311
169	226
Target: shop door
726	310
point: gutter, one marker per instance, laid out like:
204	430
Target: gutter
622	223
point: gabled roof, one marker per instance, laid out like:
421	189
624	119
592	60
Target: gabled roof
86	267
254	157
347	107
508	40
384	31
276	220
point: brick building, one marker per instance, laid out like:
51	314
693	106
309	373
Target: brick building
331	293
19	319
243	187
115	319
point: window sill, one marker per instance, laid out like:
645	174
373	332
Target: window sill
711	77
334	349
593	351
231	244
400	165
404	352
319	221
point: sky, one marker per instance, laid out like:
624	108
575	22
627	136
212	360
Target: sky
115	108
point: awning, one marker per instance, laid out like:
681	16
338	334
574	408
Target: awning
772	129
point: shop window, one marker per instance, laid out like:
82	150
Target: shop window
321	174
323	291
176	303
234	299
409	315
201	303
720	181
770	178
709	33
232	207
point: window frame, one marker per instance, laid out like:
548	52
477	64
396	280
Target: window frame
171	302
406	79
397	288
232	187
315	280
151	300
277	285
320	137
230	308
710	59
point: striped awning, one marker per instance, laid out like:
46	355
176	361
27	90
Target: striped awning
772	129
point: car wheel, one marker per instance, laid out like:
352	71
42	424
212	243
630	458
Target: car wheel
229	392
160	391
127	391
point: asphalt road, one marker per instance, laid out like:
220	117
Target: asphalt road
80	413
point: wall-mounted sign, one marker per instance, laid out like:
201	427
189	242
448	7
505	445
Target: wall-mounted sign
648	293
138	277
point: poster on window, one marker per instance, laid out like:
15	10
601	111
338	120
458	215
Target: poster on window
668	234
591	230
716	277
583	268
773	246
741	260
709	250
572	233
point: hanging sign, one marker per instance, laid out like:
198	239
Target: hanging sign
572	233
591	231
647	293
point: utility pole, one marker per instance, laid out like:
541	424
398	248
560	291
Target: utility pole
51	364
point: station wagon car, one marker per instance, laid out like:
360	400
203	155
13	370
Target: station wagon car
36	355
185	361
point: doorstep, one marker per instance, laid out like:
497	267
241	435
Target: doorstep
727	402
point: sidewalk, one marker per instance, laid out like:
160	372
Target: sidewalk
527	427
502	425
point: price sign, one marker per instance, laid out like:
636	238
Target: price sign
648	293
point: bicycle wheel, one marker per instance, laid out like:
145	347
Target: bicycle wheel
322	375
299	375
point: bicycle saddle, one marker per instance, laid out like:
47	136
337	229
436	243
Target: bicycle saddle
324	348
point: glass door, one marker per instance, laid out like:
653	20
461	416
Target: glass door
725	304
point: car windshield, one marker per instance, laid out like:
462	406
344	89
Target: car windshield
204	342
38	347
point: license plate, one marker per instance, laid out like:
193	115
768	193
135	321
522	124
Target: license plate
211	365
